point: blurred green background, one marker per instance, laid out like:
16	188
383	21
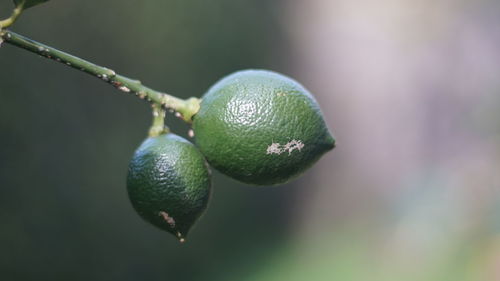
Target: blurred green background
411	90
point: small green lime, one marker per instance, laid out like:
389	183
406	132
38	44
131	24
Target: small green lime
260	127
168	183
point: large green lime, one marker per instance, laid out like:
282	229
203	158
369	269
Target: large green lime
168	183
260	127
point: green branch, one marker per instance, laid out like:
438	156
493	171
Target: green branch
15	14
185	108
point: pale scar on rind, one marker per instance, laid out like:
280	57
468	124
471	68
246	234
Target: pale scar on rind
276	148
167	218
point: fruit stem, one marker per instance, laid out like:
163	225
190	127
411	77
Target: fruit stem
158	127
185	108
15	14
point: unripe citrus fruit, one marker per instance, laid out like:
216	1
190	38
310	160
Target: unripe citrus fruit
260	127
168	183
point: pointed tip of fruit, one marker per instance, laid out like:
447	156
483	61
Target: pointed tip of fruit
330	142
181	238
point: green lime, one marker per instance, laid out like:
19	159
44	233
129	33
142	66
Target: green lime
260	127
168	183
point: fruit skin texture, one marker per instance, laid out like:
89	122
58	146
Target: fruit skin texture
169	183
260	127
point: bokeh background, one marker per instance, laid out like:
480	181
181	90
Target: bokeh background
411	90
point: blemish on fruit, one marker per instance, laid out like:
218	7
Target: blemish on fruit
168	219
293	145
276	148
191	133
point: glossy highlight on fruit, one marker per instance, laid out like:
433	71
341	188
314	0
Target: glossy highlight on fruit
260	127
168	183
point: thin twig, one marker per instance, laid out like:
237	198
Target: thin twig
186	108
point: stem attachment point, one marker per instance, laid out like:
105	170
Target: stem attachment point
158	127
